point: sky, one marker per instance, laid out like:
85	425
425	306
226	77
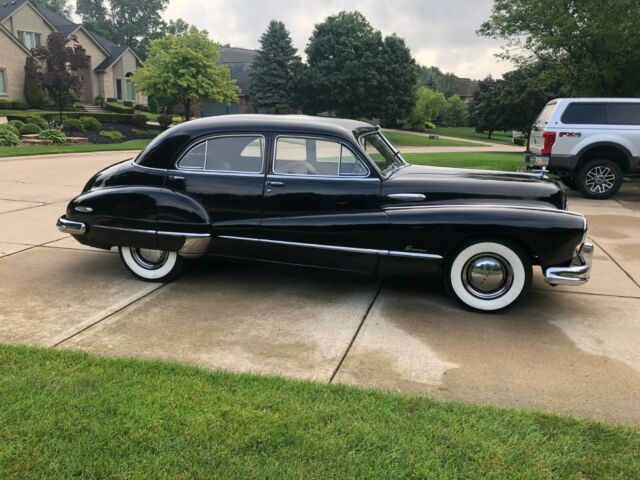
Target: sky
439	33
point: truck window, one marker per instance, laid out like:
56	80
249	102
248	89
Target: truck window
545	114
623	113
585	114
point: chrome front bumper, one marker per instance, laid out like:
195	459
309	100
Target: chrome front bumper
577	273
71	227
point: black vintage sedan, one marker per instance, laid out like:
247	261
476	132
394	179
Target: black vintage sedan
328	193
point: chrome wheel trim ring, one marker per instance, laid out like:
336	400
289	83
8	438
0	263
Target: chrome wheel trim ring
600	179
487	276
149	259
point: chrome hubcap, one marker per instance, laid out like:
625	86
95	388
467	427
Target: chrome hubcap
487	276
600	179
149	259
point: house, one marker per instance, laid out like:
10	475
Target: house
24	26
465	88
239	61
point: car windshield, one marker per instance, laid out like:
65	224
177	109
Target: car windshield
386	157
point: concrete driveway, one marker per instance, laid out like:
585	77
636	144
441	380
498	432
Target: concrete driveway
568	350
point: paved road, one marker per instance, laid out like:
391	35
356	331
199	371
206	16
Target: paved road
564	350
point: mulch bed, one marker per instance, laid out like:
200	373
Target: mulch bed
125	129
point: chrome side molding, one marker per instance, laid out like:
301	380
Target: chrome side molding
407	197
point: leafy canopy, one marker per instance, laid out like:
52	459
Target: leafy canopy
184	68
428	106
275	72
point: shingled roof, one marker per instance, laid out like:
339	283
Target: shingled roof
239	61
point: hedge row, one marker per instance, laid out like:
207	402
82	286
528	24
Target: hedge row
109	117
118	108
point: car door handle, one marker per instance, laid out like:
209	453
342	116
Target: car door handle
407	197
271	183
176	178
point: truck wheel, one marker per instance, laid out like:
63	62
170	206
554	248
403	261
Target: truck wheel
569	182
488	276
151	265
599	179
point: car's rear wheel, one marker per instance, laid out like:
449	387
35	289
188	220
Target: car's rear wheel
151	265
488	276
599	179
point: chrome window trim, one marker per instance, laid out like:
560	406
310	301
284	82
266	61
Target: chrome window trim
200	140
326	139
371	251
389	144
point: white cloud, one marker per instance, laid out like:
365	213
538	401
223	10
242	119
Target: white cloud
438	33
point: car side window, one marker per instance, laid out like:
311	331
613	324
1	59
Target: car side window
230	154
315	157
585	114
623	113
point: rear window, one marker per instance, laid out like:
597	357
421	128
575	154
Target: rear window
545	114
585	114
623	113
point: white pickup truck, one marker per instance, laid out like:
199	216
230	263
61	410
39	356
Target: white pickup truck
591	143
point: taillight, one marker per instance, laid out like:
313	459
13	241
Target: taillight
549	139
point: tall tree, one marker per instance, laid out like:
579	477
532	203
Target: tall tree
455	112
63	7
428	106
134	23
485	112
57	61
594	46
184	68
275	71
348	73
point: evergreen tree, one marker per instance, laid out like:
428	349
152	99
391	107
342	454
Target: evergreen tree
33	92
275	71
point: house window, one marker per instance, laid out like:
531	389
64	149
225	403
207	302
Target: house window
3	82
119	88
130	94
30	39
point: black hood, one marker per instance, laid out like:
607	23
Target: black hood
462	186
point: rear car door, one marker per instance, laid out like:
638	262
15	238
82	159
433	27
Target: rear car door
321	205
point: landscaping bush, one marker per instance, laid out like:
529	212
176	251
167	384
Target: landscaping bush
53	134
128	103
8	138
141	107
16	124
51	116
33	92
139	119
30	129
73	125
99	101
112	100
153	105
38	120
116	107
19	105
10	128
90	123
5	104
520	141
145	133
164	120
114	135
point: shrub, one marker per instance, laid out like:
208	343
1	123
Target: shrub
153	105
51	116
128	103
164	120
8	138
16	124
99	101
73	125
116	107
90	123
112	100
139	119
19	105
53	134
520	141
114	135
141	107
5	104
10	128
30	129
38	120
145	133
33	91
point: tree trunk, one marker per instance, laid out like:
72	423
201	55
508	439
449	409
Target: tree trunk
187	110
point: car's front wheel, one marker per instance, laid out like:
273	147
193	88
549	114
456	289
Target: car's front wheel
488	276
151	265
599	179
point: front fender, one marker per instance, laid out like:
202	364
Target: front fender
548	235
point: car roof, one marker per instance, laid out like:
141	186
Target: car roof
596	100
339	126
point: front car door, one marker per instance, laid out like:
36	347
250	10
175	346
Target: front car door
321	205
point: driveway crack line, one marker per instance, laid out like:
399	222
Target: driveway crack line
355	335
616	262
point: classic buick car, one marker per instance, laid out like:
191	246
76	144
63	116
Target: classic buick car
329	193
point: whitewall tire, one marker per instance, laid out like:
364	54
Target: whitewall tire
488	276
151	265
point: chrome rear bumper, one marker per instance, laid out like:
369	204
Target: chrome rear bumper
577	273
71	227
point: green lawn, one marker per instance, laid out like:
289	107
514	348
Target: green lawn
470	134
22	150
73	415
506	161
407	139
